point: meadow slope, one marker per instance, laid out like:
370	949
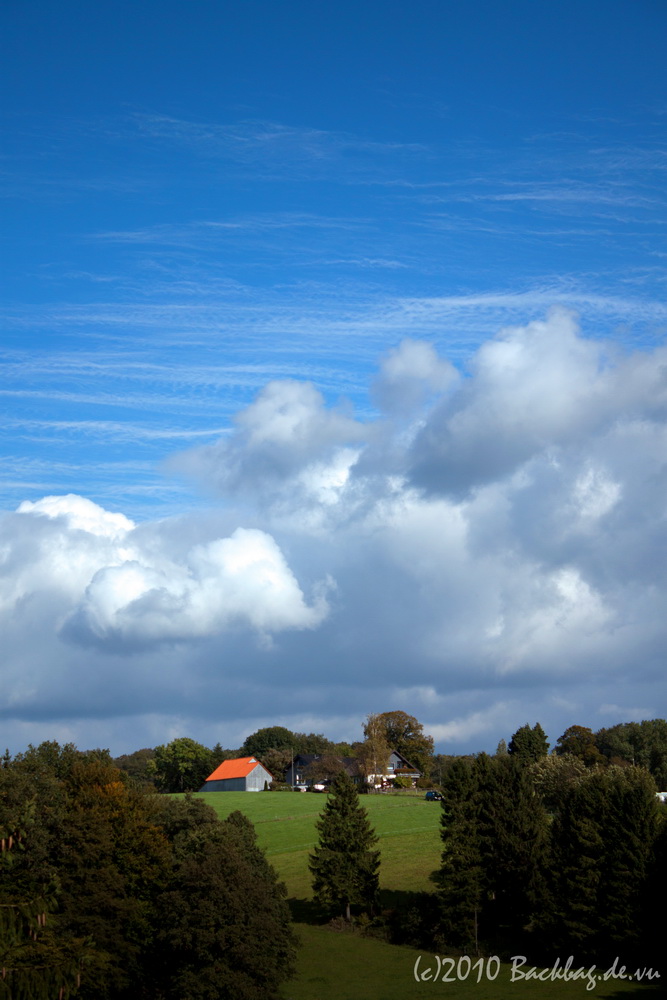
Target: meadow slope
342	966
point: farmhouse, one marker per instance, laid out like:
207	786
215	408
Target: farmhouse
305	771
397	767
311	769
244	774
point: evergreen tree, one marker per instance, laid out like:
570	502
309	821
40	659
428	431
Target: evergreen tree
343	865
529	744
512	832
461	877
494	835
603	841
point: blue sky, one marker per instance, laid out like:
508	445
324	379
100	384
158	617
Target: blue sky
337	332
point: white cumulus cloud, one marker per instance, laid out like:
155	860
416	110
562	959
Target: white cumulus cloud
113	586
492	541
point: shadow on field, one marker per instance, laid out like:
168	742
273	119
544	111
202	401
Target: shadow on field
399	917
306	911
644	991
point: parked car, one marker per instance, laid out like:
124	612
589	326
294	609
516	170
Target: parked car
433	797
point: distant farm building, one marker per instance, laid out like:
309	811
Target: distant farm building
244	774
317	770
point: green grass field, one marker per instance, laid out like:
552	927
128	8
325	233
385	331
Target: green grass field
338	966
334	965
408	827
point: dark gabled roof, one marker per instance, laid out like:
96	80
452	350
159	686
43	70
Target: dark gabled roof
350	764
407	766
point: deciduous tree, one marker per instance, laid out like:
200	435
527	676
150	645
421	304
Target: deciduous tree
373	753
181	766
223	925
269	738
579	741
404	733
643	743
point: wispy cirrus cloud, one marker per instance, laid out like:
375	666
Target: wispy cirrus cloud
248	139
106	430
208	232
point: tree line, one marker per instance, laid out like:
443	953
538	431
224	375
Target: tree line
184	764
108	892
548	856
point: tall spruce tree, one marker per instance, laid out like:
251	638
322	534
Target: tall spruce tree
603	839
529	744
494	831
512	833
461	876
343	865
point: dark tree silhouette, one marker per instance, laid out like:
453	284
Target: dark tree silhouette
344	865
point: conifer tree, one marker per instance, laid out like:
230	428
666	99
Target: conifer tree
344	865
461	875
494	836
603	843
529	744
512	832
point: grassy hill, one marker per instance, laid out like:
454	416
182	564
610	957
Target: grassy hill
408	827
342	966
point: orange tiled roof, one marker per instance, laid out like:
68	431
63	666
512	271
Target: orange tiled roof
238	768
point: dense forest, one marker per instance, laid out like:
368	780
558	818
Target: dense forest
108	892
